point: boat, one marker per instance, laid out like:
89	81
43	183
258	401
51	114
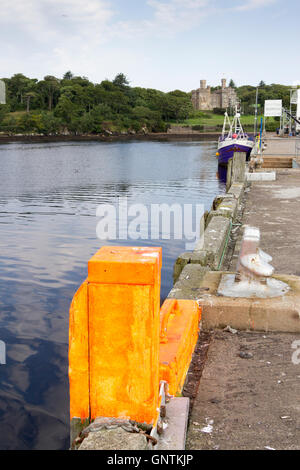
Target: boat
233	139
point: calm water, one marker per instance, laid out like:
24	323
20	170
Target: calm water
48	199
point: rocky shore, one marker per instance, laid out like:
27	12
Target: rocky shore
5	138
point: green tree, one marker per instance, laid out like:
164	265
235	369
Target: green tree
4	110
10	125
50	124
17	85
50	88
66	109
27	123
68	75
120	80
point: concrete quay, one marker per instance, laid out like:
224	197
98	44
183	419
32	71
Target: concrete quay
242	388
248	395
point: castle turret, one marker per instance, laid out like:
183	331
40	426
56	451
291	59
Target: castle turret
205	99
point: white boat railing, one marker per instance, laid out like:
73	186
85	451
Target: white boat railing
236	130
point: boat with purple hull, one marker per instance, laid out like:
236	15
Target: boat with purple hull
233	140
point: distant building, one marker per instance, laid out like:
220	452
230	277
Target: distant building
2	92
205	100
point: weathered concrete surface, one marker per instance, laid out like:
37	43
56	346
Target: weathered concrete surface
190	257
248	403
174	436
238	167
274	207
254	403
274	314
261	176
114	439
210	249
281	146
236	190
227	208
188	285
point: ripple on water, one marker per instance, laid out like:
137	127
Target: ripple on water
49	194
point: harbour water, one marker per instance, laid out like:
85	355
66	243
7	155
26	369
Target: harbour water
49	194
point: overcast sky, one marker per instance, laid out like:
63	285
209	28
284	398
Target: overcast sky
163	44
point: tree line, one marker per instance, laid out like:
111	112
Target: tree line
75	105
247	95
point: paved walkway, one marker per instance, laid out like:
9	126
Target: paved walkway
282	146
255	403
274	207
247	403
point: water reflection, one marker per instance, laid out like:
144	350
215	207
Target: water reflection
222	173
48	199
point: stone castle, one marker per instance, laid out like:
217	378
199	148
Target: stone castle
205	100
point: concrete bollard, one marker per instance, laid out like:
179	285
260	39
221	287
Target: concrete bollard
238	167
114	338
178	337
122	346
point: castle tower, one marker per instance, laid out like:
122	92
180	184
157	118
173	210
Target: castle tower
205	100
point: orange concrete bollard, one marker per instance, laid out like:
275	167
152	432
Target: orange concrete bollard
118	347
79	355
179	321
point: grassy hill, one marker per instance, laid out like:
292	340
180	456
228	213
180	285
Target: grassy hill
209	120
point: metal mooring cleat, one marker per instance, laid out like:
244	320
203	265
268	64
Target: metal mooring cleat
253	263
254	273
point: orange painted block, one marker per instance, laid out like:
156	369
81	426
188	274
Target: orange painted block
179	328
125	265
79	355
123	305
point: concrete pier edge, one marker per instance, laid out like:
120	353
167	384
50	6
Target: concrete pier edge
189	269
193	269
210	250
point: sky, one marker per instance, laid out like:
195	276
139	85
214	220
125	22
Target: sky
162	44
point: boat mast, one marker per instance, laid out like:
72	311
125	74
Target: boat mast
236	123
226	121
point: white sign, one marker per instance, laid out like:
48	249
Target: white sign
273	108
2	92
